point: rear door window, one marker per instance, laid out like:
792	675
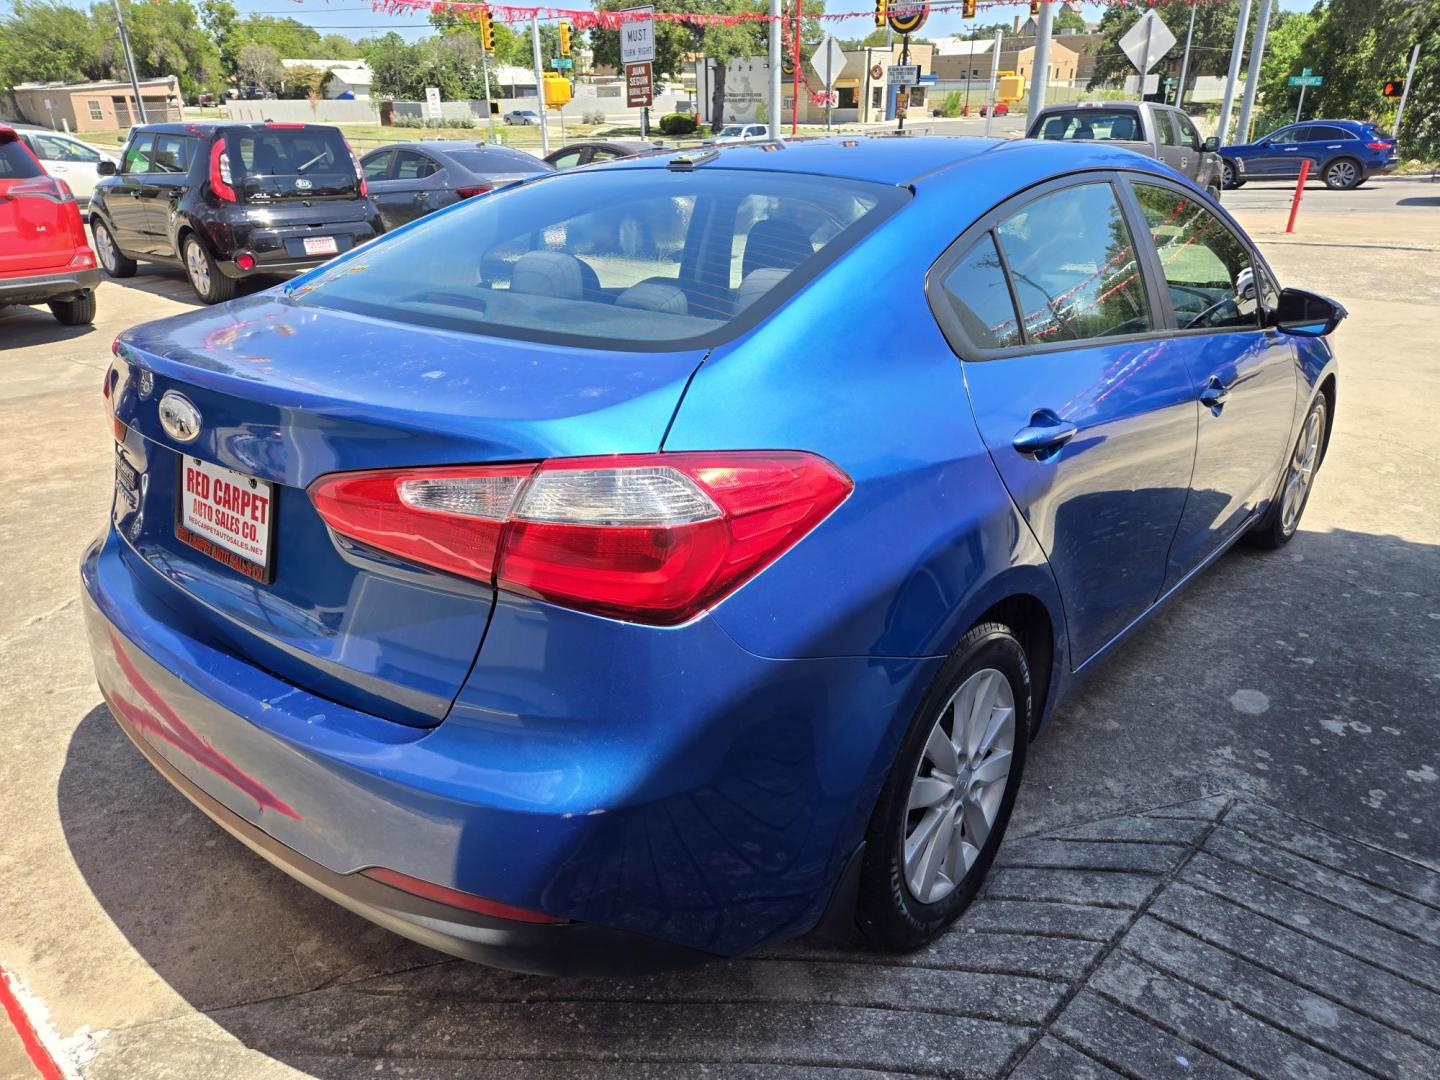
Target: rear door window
1208	271
568	160
639	259
171	154
49	148
1073	267
413	166
976	292
137	154
378	167
17	163
1165	128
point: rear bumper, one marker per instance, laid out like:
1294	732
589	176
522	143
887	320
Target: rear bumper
670	793
285	267
46	287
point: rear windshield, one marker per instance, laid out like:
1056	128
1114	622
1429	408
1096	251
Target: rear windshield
497	159
16	162
1100	124
280	162
630	259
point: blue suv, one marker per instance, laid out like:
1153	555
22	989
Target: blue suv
1343	153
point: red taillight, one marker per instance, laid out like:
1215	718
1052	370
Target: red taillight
220	179
653	538
1378	145
245	262
359	172
441	894
470	192
273	124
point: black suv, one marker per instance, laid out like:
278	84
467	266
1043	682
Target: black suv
228	201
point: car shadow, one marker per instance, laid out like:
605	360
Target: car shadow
1419	200
21	327
1302	677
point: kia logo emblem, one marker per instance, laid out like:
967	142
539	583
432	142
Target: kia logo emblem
302	183
179	418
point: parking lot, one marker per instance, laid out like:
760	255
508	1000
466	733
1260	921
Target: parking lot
1224	860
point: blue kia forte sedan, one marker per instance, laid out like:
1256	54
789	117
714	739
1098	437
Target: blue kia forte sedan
656	561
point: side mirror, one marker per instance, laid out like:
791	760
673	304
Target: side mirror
1305	314
106	168
1211	145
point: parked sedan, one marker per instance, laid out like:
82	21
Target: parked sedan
578	611
590	153
523	117
410	180
1343	153
68	158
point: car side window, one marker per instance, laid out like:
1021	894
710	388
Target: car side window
1073	267
976	291
568	160
1318	133
48	148
171	154
1188	132
412	166
1164	128
137	155
378	167
605	155
1211	279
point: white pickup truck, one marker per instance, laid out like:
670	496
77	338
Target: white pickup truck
1159	131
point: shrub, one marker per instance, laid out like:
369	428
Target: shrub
594	116
406	122
677	124
952	104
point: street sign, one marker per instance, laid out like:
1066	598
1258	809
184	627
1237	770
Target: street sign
1306	80
432	103
903	74
828	61
561	63
639	86
1147	41
637	37
906	16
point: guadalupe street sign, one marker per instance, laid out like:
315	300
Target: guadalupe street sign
1306	80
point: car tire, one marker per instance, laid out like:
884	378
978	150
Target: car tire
1282	519
113	261
895	907
1342	174
1229	176
210	285
77	312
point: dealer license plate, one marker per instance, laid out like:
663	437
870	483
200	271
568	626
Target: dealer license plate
320	245
227	515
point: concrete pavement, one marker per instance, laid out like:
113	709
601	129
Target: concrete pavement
1255	892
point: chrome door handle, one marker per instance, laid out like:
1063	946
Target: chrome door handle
1044	435
1215	393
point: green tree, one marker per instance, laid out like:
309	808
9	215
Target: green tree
303	81
1069	21
1284	48
393	63
166	38
1210	54
46	41
220	19
259	65
337	47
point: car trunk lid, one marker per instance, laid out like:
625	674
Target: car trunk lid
285	394
283	163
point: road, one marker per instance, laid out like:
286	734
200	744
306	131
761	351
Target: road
1270	739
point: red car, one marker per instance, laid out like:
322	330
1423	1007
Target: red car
1001	109
44	256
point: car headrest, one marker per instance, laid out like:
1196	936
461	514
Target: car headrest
655	296
1084	131
756	284
548	273
773	243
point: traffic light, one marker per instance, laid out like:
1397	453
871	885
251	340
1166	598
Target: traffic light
556	89
564	39
1035	8
967	9
487	31
881	11
1394	88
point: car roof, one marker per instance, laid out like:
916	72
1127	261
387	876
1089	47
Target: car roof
904	159
208	127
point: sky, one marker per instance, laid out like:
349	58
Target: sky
355	18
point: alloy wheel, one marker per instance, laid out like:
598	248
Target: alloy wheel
1301	473
197	266
1342	174
959	785
105	248
1227	177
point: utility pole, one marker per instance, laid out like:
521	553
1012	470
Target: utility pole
1040	76
1252	80
539	83
1237	50
994	71
775	72
1185	61
795	63
485	74
1405	94
130	64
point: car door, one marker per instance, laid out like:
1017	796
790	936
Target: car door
1190	137
122	201
1085	405
170	161
405	195
1242	374
1323	143
1279	154
1173	150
